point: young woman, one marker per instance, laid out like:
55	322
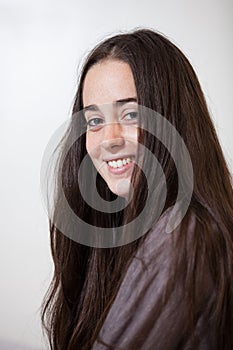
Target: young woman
138	286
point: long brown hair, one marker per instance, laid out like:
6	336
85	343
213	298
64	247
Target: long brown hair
86	279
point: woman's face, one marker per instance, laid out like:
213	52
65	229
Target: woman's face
110	107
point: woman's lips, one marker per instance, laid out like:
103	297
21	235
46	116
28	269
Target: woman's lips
121	170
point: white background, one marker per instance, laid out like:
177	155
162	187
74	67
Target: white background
42	45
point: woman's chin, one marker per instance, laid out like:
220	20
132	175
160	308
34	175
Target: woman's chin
122	188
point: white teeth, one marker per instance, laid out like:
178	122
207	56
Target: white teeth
119	162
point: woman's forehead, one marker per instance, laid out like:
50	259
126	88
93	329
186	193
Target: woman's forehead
107	82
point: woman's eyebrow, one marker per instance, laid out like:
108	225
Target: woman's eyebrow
120	102
91	108
126	100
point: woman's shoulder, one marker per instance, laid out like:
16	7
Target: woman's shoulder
171	229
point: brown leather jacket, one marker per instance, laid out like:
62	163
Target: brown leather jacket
134	322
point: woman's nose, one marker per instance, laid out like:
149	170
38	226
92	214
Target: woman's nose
113	135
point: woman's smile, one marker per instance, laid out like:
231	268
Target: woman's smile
120	164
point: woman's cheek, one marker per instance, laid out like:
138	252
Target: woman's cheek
93	145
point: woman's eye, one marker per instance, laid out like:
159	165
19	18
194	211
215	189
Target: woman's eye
131	116
94	122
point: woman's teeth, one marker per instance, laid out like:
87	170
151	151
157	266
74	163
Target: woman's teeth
119	162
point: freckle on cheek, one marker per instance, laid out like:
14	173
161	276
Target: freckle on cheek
92	148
